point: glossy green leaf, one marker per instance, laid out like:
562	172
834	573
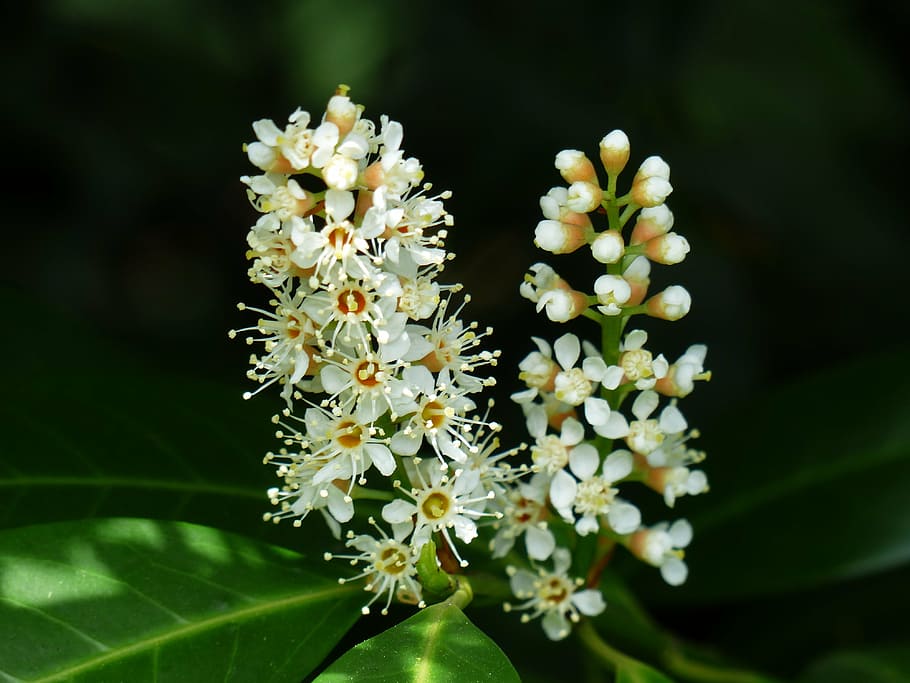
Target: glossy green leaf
882	666
142	600
101	435
808	486
636	672
436	645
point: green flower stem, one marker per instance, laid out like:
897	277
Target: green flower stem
610	203
463	594
607	655
676	662
627	214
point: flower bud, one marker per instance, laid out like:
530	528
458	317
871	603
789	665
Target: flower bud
342	112
608	247
559	238
614	151
584	196
340	173
575	167
651	185
638	276
612	292
652	222
667	249
671	304
562	305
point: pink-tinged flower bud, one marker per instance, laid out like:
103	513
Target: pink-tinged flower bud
584	197
562	305
341	111
671	304
575	167
638	276
651	185
682	375
612	292
559	238
667	249
614	151
608	247
651	191
340	173
652	222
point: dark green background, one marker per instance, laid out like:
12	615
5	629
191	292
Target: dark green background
785	124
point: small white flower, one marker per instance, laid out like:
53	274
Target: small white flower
524	512
662	546
593	495
553	596
612	292
390	565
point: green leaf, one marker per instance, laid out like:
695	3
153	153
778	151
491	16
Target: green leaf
882	666
138	600
808	486
101	435
438	644
636	672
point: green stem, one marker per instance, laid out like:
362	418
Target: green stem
597	646
463	594
676	662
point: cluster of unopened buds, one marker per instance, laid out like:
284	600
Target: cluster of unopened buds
380	374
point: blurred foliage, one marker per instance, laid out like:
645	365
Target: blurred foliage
786	125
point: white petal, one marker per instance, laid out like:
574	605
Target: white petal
398	511
567	349
572	432
680	533
635	340
339	204
562	560
465	529
543	346
536	418
624	517
594	368
522	583
612	377
382	458
334	379
406	444
267	131
589	602
539	543
697	483
502	543
420	378
587	525
674	571
341	510
672	420
618	465
644	405
583	461
562	489
615	428
555	626
597	411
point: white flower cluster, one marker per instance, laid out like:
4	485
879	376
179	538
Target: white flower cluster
584	446
374	361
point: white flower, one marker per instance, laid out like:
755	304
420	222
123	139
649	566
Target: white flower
524	512
550	453
575	386
390	565
439	504
593	495
612	292
646	435
682	375
637	363
553	596
662	547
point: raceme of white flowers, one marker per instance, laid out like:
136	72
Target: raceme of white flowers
380	373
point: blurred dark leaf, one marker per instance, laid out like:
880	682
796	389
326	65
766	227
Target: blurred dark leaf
437	644
132	599
636	672
809	486
93	433
880	666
